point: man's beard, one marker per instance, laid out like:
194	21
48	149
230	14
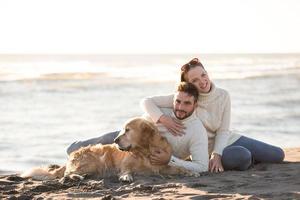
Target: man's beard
185	116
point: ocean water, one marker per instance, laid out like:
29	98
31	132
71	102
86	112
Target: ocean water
48	101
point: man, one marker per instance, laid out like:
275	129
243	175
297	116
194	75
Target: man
193	143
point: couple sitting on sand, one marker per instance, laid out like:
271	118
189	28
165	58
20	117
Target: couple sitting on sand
196	121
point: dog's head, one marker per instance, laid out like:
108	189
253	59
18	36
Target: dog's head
136	133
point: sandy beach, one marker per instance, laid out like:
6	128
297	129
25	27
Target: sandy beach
263	181
51	101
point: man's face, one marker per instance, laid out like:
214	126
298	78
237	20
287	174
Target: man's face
183	105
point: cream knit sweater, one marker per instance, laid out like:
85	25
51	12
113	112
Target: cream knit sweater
192	144
213	110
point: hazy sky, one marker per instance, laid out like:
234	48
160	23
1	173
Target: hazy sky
152	26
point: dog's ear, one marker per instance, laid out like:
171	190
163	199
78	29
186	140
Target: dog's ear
148	132
148	128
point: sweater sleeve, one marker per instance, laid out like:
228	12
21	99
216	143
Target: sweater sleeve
198	149
222	134
152	105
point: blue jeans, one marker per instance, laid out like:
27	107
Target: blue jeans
246	151
107	138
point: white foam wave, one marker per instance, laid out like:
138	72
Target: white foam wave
218	68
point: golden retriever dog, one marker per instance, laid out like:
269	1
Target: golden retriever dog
129	155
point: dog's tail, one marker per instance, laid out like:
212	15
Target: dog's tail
45	173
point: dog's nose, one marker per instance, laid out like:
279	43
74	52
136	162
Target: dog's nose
116	140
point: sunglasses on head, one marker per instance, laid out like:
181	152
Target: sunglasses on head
193	63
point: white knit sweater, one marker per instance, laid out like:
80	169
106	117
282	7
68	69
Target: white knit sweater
192	144
214	110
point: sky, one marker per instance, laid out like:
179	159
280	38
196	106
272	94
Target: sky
149	27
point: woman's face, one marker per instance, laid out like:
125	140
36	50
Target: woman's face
199	78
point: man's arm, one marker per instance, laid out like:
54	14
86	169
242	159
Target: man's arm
198	147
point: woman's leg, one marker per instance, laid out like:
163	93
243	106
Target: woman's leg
236	158
261	152
107	138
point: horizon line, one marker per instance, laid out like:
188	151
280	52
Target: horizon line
139	54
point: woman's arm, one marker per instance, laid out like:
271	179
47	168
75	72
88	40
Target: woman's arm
222	133
152	106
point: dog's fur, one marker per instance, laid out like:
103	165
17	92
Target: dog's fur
129	155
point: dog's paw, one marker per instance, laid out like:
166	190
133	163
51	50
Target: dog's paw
76	177
194	174
186	172
126	178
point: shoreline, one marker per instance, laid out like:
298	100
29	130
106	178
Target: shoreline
6	172
263	181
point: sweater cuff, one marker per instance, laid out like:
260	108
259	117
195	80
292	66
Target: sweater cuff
156	117
219	148
173	161
217	151
220	142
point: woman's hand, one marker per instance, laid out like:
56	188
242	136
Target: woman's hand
215	163
159	157
172	124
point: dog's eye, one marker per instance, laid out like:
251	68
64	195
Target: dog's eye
126	129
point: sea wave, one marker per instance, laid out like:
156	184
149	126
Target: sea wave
219	67
147	75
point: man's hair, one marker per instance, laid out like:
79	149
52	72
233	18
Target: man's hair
189	89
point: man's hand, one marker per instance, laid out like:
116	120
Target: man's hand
172	124
215	163
159	157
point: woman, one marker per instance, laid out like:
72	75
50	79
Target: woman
227	150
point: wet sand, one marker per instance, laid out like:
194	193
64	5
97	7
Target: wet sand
263	181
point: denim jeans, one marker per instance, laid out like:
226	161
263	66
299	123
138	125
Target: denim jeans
246	151
107	138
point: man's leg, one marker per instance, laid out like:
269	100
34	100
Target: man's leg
108	138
